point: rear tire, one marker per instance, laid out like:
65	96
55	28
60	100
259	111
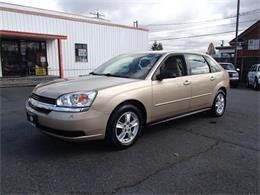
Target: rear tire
256	84
234	85
124	126
219	104
247	83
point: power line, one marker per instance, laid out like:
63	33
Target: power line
193	36
205	21
205	27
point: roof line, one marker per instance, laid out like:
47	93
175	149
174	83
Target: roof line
85	20
249	29
30	34
31	7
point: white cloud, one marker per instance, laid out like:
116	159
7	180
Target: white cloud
44	4
164	11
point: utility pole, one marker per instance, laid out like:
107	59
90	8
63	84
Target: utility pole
135	24
97	15
222	43
237	22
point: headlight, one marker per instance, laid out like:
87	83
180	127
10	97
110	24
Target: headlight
77	99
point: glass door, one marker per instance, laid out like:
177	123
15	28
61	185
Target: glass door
10	56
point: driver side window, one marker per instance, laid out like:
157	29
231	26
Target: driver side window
174	65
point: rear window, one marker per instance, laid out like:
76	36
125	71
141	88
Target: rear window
213	64
198	64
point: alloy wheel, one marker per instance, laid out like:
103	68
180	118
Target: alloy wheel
127	127
220	103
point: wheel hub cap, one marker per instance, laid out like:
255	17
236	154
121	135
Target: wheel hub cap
127	127
220	103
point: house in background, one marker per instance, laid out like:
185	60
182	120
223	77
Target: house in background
249	51
225	54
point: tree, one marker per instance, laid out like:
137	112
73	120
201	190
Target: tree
157	46
211	50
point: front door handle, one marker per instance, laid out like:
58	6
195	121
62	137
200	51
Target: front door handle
187	82
212	78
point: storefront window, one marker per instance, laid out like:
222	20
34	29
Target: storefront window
23	57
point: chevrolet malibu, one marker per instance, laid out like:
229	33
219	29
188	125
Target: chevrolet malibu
118	99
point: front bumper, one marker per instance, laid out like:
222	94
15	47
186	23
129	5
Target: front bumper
78	126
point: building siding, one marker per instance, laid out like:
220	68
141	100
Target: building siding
103	41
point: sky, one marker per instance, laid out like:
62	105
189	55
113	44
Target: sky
180	25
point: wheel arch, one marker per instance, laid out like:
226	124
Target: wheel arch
223	89
134	102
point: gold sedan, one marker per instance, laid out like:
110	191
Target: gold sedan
118	99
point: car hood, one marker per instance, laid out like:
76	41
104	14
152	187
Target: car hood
59	87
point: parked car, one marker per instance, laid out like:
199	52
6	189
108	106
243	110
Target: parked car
253	76
232	72
118	99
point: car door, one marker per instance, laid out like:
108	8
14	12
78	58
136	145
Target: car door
171	96
202	82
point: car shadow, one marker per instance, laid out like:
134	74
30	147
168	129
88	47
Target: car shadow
43	145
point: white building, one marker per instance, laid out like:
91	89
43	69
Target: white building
39	42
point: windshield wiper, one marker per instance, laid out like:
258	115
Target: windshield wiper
108	75
93	73
115	75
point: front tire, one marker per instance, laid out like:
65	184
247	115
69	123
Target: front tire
124	126
219	104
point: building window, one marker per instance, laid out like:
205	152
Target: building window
81	52
253	44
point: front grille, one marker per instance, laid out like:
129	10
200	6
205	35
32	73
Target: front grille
61	132
230	74
43	99
43	110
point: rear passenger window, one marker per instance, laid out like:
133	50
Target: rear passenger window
213	64
198	64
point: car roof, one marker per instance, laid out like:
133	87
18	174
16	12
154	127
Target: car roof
171	52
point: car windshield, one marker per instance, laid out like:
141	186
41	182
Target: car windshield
228	66
128	66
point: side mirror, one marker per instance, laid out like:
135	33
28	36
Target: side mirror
237	69
165	75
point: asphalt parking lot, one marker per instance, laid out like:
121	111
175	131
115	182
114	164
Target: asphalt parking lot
197	154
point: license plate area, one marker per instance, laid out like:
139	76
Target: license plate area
32	118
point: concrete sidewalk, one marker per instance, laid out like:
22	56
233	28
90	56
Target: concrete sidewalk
25	81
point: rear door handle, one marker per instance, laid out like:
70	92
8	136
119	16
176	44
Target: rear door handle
187	82
212	78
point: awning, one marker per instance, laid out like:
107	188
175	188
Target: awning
6	33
